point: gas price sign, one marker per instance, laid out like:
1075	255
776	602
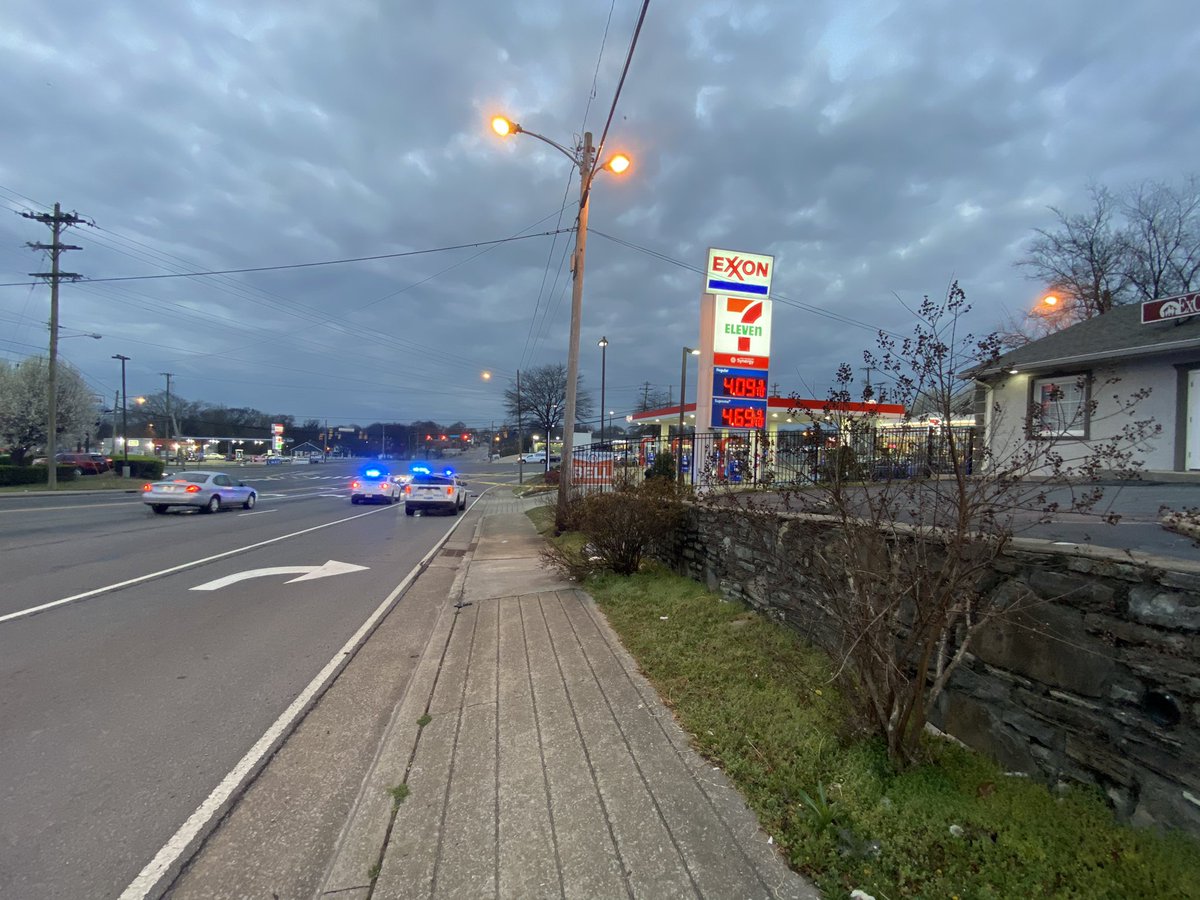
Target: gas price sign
748	384
739	398
728	412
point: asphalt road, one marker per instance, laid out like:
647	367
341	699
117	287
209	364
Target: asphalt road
121	710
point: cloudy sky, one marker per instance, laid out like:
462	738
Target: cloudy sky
877	149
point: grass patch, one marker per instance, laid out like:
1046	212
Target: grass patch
374	870
542	518
759	703
425	719
399	794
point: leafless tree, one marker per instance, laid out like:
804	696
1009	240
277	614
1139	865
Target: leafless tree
542	398
1084	260
1163	238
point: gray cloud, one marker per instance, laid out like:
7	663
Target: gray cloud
878	149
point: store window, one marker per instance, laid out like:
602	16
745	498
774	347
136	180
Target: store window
1059	406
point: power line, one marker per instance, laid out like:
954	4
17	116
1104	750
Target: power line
846	320
599	59
612	110
309	265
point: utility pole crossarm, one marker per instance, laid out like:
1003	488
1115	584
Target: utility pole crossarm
57	221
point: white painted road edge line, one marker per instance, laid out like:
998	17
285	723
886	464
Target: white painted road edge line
158	874
22	613
29	509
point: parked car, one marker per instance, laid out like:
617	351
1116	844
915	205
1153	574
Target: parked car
537	457
205	491
83	463
374	484
445	491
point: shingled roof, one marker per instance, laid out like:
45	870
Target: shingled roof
1115	335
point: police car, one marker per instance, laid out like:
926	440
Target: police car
375	484
429	490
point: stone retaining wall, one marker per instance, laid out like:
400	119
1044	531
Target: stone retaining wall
1098	682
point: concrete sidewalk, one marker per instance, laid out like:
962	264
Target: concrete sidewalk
547	766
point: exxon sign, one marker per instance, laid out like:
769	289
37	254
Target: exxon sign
736	274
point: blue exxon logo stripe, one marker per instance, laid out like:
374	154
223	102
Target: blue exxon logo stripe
714	285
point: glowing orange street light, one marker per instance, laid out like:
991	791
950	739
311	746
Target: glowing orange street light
618	164
1050	300
503	126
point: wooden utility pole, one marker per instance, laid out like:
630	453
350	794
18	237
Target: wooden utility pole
57	221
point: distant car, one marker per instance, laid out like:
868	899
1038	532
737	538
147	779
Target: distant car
83	463
375	483
316	458
427	490
538	457
495	455
206	491
274	460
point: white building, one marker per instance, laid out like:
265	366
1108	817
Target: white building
1084	384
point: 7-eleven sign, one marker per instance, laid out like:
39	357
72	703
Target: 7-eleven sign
743	327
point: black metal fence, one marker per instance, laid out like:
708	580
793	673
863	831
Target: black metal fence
789	458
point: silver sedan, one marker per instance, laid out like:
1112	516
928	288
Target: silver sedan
205	491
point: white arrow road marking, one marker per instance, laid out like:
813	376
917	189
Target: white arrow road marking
307	573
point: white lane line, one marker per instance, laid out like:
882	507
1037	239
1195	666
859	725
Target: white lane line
61	508
257	512
169	861
22	613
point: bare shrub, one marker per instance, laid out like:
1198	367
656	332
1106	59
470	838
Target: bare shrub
619	529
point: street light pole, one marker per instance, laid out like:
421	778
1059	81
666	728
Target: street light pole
565	470
124	418
520	436
687	351
170	424
603	344
583	157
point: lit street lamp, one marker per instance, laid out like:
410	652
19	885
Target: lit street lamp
687	351
603	345
583	157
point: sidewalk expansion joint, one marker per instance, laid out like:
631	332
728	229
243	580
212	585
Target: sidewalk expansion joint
587	754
